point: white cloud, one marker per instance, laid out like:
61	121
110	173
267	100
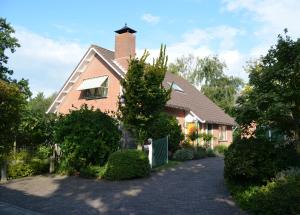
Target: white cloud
44	61
271	17
219	40
150	18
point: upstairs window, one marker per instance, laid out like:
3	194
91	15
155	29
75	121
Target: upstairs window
94	88
223	133
175	87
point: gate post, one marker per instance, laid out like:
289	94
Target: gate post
150	154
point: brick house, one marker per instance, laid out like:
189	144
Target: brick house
96	82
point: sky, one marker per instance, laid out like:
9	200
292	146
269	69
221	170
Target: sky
55	34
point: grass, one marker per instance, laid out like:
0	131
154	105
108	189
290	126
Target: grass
169	165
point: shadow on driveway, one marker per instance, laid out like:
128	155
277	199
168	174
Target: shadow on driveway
195	187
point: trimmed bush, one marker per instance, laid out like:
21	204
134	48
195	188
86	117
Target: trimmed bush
210	152
183	154
92	171
127	164
221	149
277	197
86	137
257	160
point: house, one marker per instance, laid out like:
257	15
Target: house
96	82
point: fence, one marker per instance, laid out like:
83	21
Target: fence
158	152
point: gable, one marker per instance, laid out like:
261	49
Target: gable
92	60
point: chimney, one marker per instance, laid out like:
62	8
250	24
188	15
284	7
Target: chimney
124	46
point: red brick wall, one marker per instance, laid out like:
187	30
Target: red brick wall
179	114
94	69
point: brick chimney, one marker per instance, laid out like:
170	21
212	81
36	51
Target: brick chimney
124	46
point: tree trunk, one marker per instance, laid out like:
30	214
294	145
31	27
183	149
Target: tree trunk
4	171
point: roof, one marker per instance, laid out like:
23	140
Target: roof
125	29
109	56
192	99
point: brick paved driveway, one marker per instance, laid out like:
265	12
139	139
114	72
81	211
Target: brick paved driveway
195	187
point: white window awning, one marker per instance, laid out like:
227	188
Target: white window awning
92	83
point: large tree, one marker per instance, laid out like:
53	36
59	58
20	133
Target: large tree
208	75
144	96
272	97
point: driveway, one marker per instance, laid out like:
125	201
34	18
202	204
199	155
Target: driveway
194	187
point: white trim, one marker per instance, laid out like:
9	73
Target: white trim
79	69
103	58
198	118
119	65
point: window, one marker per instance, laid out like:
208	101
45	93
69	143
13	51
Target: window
176	87
94	88
223	133
95	93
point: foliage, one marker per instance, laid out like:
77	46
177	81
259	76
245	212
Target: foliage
144	97
92	171
127	164
24	163
221	149
183	154
40	103
200	153
8	42
208	74
272	97
44	152
279	196
210	152
86	137
257	160
12	103
166	125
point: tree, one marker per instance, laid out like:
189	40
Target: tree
12	103
40	103
208	75
144	97
272	97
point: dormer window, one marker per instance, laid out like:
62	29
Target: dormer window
94	88
176	87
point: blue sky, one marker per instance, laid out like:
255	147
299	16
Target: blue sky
55	34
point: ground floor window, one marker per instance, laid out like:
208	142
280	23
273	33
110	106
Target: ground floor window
223	133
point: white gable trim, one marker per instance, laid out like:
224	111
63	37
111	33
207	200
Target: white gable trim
198	118
74	77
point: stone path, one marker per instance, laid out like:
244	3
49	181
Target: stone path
195	187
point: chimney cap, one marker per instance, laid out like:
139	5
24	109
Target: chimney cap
125	29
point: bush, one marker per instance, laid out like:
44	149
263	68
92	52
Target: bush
199	154
127	164
257	160
92	171
183	154
279	196
18	169
210	152
166	125
221	149
44	152
86	137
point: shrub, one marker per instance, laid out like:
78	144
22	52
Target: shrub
92	171
18	169
221	149
210	152
86	137
183	154
165	125
126	165
279	196
199	154
257	160
44	152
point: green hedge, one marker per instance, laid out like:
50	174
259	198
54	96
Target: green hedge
221	149
92	171
127	164
257	160
183	154
278	197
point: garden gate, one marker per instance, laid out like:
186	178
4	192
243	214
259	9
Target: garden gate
158	152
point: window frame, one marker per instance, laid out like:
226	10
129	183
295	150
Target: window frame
222	133
104	86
